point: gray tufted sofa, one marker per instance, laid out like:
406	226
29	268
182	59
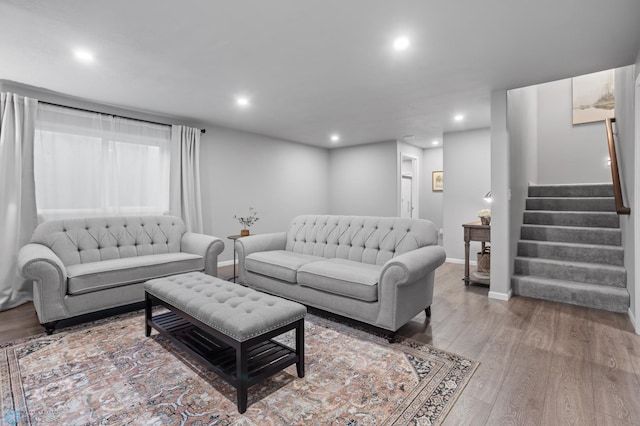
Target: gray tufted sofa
377	270
80	266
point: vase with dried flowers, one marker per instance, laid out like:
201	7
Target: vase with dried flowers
485	216
247	221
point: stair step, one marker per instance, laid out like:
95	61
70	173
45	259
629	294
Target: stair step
572	234
571	218
609	275
602	204
574	190
613	299
592	253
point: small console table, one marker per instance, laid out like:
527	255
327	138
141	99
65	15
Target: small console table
474	231
234	238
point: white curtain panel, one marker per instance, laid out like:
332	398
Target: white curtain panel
185	176
17	200
92	164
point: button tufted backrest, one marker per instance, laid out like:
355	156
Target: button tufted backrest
93	239
365	239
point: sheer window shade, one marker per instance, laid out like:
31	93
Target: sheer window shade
91	164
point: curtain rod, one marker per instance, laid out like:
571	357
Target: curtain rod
113	115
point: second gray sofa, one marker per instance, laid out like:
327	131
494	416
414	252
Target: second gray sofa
378	270
79	266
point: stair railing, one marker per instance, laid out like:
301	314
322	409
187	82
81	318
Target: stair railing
617	189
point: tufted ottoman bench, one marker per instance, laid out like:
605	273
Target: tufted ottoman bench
227	326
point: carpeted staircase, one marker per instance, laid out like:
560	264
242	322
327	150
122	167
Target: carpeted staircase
570	248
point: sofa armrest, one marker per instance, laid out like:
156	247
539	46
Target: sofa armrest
256	243
40	264
413	265
33	257
207	246
406	285
261	242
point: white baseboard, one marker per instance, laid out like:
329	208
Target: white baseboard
225	263
461	261
500	296
632	318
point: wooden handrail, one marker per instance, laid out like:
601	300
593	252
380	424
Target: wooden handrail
615	175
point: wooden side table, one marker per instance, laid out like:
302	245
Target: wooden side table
474	231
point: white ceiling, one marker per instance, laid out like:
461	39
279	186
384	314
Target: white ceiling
313	67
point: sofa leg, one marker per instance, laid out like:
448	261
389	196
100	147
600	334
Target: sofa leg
391	337
428	312
49	327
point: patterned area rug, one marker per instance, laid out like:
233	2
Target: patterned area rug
107	372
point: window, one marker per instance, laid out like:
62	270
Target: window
91	164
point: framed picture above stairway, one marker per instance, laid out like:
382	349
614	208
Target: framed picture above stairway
593	97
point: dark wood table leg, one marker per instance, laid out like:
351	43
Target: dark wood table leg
242	373
234	261
147	314
300	347
466	262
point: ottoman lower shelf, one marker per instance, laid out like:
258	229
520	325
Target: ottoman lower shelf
262	358
241	364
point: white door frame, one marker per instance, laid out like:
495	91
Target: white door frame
415	184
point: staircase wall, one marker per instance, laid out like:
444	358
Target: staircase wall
568	153
629	161
523	160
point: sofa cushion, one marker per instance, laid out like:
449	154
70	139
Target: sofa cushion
94	276
280	264
344	277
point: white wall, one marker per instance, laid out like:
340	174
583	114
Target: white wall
364	180
431	203
467	178
635	199
625	126
568	153
501	263
522	114
279	179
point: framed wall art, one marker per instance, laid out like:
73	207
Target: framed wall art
593	97
437	181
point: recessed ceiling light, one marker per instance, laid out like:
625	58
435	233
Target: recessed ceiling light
458	117
335	138
401	43
84	56
434	143
243	101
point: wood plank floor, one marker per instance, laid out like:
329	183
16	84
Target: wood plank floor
542	363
